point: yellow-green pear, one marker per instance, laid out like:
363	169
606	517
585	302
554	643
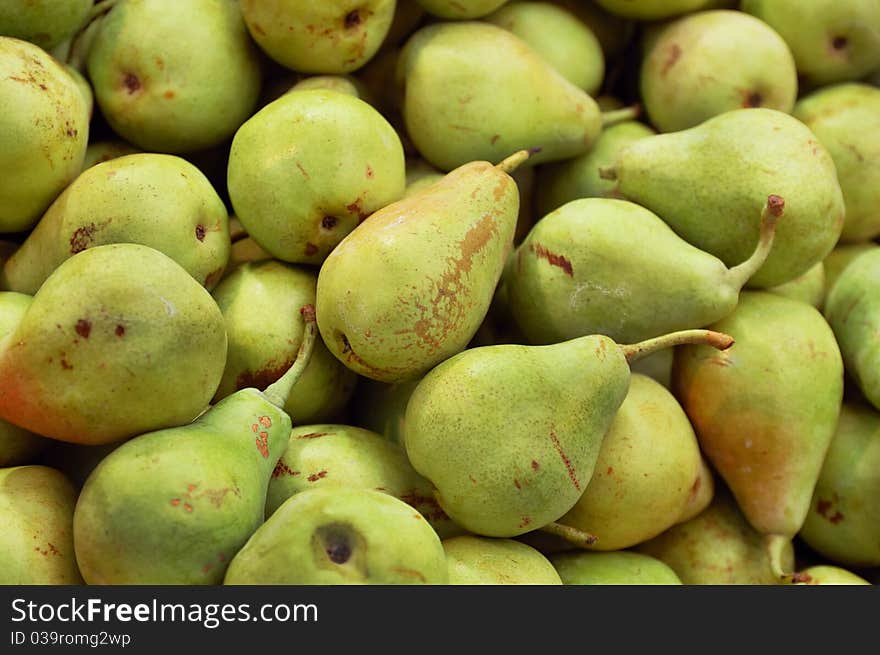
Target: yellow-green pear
808	288
648	10
842	256
340	83
44	22
615	568
823	574
485	561
101	151
460	9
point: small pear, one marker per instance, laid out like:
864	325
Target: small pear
808	288
436	258
338	83
119	340
36	542
607	266
647	10
484	561
843	523
101	151
498	96
46	23
617	568
460	9
765	410
709	182
829	575
337	535
510	435
174	506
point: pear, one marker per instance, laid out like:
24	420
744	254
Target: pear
709	182
853	311
174	76
649	467
498	96
509	435
559	37
832	40
808	288
119	340
420	175
174	506
244	250
687	76
773	400
260	302
322	455
306	169
617	568
607	266
657	366
161	201
483	561
337	535
36	543
613	32
846	120
652	9
843	523
381	407
579	177
719	547
829	575
84	87
46	23
101	151
838	259
436	258
44	129
338	83
332	36
460	9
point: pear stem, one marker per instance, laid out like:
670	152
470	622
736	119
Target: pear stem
511	163
717	340
739	275
776	544
615	116
572	535
278	392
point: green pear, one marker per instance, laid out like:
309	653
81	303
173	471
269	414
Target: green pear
765	410
853	311
260	302
174	76
838	259
44	128
435	260
332	36
647	10
306	169
843	523
709	182
649	467
829	575
719	547
702	493
338	535
174	506
509	435
499	96
808	287
613	32
84	87
608	266
579	177
559	37
101	151
36	543
243	251
617	568
339	83
119	340
161	201
420	175
484	561
381	407
322	455
846	120
705	64
832	40
460	9
45	22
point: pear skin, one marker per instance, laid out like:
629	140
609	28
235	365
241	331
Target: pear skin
618	568
841	257
46	23
484	561
808	288
648	10
100	151
829	575
460	9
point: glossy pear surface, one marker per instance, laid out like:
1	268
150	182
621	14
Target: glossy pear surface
618	568
485	561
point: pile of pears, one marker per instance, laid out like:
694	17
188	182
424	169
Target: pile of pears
562	292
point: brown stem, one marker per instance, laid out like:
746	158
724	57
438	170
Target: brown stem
717	340
571	535
770	214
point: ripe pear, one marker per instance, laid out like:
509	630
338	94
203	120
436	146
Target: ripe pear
119	340
613	32
838	259
156	200
420	175
846	120
101	151
853	311
498	96
336	455
829	575
44	128
510	435
484	561
649	467
332	36
617	568
339	83
244	250
687	75
436	258
306	169
772	406
559	37
260	302
381	407
647	10
709	182
608	266
174	76
808	288
832	40
36	543
843	523
337	535
45	23
460	9
174	506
